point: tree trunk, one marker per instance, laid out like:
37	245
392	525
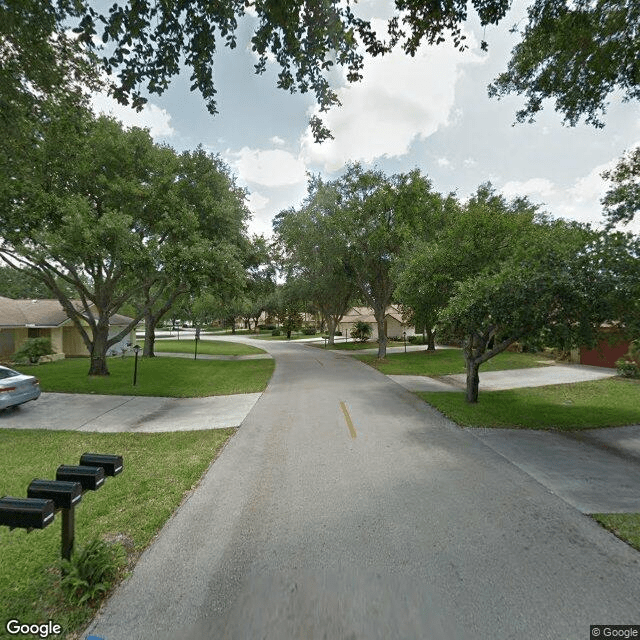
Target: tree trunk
382	336
473	380
431	338
149	336
331	329
98	365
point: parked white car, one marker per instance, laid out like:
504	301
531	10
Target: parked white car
17	388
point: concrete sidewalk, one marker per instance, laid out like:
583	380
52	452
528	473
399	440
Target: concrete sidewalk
108	414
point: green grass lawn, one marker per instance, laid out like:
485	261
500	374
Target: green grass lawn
208	347
341	345
172	377
448	361
158	470
582	405
247	332
625	526
283	336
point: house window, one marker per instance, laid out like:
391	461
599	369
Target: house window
34	333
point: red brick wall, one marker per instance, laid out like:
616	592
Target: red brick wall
605	354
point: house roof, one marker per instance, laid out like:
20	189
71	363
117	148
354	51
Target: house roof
365	314
42	313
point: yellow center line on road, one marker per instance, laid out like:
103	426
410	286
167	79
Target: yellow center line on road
347	417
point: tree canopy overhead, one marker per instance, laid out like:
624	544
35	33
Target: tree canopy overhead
577	53
148	42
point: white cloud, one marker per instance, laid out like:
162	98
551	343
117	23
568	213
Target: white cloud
577	200
444	162
470	162
534	187
277	140
593	185
152	117
256	201
399	100
268	167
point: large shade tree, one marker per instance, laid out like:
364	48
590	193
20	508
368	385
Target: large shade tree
312	253
375	215
100	212
462	240
206	256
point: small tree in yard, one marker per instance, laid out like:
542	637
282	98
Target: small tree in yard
552	293
291	320
361	331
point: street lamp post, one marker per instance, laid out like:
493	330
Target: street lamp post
135	365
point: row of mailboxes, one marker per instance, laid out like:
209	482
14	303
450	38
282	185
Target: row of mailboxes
45	497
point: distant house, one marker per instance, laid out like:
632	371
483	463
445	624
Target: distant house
394	326
22	319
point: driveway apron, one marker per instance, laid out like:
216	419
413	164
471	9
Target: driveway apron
346	508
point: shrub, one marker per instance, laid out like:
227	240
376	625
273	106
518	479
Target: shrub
337	333
361	331
309	331
627	368
32	349
275	332
629	365
91	571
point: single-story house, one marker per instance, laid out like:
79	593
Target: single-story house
394	325
22	319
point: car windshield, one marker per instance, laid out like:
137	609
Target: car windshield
7	373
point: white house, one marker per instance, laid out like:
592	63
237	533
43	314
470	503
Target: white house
394	326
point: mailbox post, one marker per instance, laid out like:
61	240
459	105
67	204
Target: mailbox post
65	496
45	497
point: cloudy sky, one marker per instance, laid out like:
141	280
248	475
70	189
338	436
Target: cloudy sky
431	112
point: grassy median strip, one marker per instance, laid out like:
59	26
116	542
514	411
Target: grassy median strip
625	526
611	402
206	347
132	507
448	361
171	377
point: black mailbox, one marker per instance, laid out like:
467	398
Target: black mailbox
112	465
26	513
64	494
89	477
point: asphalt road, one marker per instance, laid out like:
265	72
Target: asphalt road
345	508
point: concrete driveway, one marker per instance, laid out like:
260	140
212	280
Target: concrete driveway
86	412
510	379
